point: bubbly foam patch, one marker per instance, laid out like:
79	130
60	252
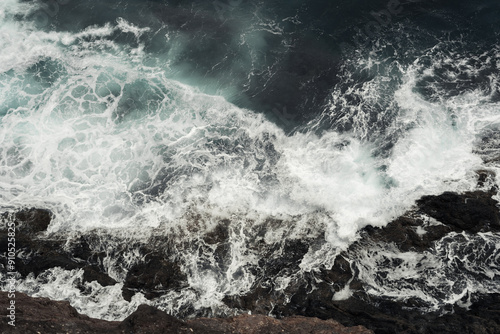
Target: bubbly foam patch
99	302
459	266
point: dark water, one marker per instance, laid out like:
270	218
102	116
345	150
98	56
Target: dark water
288	54
291	119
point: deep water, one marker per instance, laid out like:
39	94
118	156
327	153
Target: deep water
285	122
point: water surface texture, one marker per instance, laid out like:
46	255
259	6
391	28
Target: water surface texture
281	120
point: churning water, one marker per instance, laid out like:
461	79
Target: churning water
291	120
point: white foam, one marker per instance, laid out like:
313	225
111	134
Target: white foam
438	277
100	302
343	294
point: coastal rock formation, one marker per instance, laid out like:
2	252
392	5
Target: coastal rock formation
467	213
329	293
42	253
41	315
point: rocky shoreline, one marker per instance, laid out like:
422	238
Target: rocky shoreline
466	213
41	315
307	305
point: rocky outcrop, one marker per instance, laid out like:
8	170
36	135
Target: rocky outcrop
310	294
468	213
471	211
30	223
41	315
42	252
153	277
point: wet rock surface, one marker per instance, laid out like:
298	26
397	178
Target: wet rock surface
328	293
471	212
153	277
38	251
467	213
41	315
41	254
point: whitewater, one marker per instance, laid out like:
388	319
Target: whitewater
117	144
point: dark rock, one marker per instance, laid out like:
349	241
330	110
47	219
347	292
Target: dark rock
80	249
313	294
41	315
28	223
383	316
42	252
402	232
31	221
339	275
45	258
310	294
153	277
280	259
147	319
471	211
283	257
45	252
93	273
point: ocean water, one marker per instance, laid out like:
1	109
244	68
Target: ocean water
291	120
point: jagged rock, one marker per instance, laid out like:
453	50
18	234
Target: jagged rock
314	295
41	315
46	255
403	233
94	273
339	275
153	277
471	211
31	221
311	294
42	252
284	257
